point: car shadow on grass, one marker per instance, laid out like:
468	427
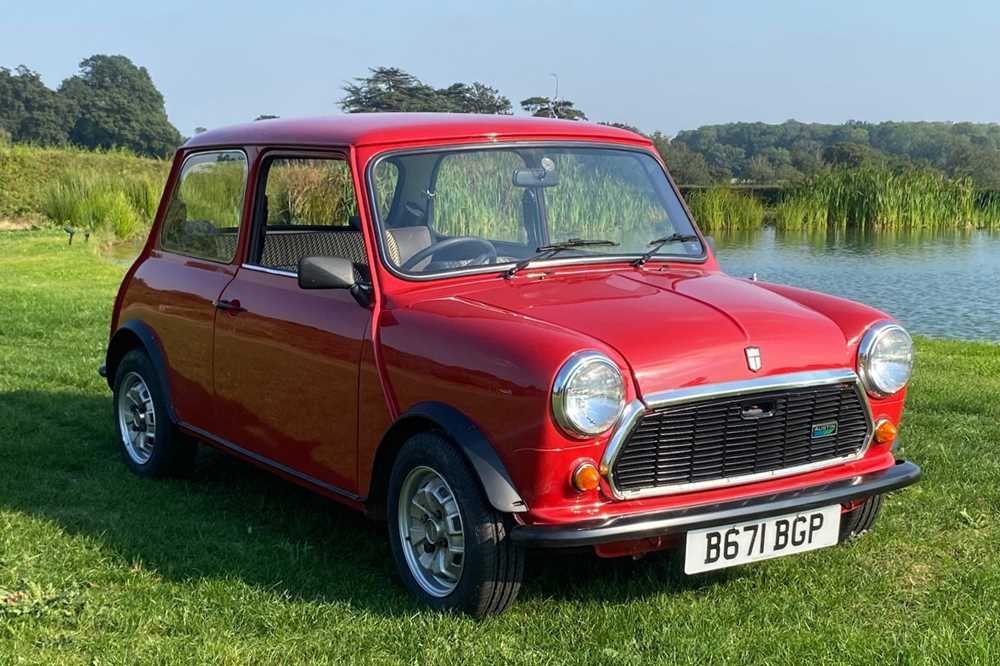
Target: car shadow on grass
230	520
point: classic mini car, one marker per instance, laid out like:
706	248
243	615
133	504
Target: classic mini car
498	334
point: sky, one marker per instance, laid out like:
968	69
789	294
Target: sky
662	66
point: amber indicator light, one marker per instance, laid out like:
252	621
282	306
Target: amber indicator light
586	477
885	432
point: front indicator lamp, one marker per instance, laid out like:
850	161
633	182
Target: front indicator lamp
885	432
586	477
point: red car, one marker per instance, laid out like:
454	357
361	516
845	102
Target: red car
498	334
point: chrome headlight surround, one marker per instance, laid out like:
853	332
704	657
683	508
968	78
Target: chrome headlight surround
875	344
582	416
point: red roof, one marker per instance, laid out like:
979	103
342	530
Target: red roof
387	128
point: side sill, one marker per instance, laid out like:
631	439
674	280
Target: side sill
268	463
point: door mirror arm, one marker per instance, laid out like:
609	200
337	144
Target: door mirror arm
362	293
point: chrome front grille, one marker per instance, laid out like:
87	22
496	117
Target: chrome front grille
739	432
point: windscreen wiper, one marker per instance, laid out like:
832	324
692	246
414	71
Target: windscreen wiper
655	246
546	251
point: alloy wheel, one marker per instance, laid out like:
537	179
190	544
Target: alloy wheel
431	531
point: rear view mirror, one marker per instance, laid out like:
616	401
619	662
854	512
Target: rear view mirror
535	178
326	273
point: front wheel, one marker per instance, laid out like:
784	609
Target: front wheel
451	547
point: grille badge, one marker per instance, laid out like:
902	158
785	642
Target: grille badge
824	429
753	358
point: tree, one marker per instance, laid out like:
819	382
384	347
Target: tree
118	105
30	111
686	166
624	126
475	98
389	89
544	107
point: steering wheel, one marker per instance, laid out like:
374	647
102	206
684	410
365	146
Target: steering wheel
487	256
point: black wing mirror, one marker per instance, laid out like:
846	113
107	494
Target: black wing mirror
333	273
326	273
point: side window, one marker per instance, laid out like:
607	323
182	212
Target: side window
310	211
203	217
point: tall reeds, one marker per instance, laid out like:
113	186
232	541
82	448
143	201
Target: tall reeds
878	197
724	208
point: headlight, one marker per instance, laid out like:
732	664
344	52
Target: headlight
885	359
588	395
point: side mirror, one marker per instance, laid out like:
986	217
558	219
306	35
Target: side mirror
326	273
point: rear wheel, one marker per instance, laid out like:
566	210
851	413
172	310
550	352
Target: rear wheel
452	548
150	446
857	521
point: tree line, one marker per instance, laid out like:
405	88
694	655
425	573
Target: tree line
112	103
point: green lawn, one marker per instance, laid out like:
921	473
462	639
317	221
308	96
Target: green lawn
235	566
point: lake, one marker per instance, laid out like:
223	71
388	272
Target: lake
936	283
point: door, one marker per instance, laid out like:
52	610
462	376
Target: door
286	359
190	266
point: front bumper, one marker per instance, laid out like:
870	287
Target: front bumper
675	521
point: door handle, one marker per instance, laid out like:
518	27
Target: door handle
232	306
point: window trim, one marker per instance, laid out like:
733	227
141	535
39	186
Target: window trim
243	200
380	229
264	160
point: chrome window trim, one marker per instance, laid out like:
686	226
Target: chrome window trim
865	349
635	410
271	271
501	268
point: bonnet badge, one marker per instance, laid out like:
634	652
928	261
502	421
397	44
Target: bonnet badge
753	358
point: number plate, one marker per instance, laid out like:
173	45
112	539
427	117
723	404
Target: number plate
729	545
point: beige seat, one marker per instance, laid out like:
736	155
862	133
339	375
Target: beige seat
402	243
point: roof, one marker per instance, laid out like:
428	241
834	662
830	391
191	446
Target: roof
388	128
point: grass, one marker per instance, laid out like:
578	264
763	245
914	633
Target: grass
234	566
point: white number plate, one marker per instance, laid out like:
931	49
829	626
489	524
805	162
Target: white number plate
729	545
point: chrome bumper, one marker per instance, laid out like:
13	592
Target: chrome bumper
676	521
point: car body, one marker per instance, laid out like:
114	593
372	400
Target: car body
589	396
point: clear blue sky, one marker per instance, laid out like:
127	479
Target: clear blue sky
658	65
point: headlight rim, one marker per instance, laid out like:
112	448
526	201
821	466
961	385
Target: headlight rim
865	350
574	364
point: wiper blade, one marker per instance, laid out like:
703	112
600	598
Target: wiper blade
655	246
546	251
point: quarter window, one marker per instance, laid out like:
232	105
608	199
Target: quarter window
203	217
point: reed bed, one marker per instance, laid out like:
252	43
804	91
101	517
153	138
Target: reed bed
878	197
724	208
119	206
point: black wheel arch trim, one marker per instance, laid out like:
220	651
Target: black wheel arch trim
677	521
477	449
151	345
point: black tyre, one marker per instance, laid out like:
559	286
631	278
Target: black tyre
856	522
149	444
451	547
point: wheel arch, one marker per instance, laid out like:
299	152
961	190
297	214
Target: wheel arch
464	435
135	334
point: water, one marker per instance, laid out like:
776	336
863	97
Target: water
941	283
